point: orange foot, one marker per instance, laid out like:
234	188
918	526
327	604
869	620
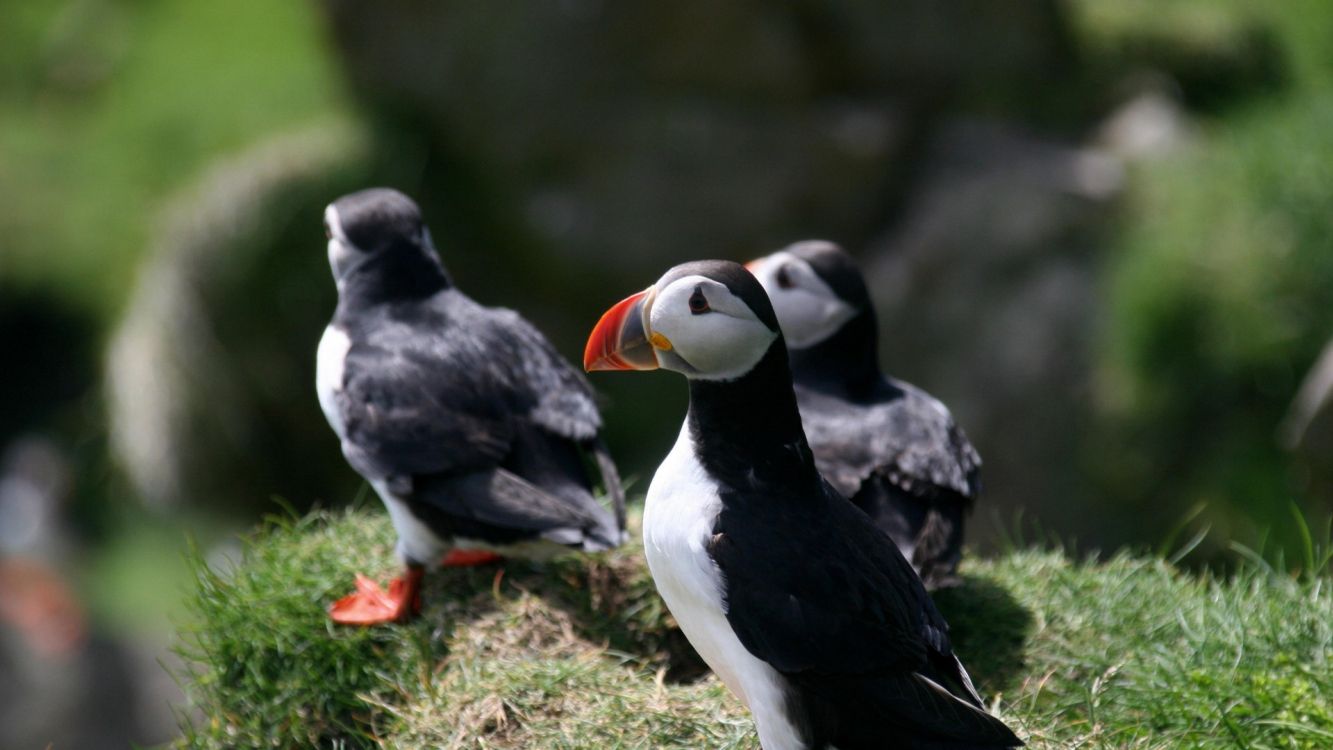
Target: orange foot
461	558
371	605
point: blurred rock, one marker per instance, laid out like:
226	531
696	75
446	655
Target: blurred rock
635	135
579	146
210	374
559	150
564	150
1149	125
988	297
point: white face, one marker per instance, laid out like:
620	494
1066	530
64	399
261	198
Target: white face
700	329
808	310
342	253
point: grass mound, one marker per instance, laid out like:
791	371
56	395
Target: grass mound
580	653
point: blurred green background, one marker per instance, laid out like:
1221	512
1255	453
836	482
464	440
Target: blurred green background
1098	229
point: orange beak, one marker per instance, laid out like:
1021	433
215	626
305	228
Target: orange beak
753	266
620	339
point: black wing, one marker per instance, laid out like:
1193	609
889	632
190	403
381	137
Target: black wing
446	385
502	507
837	598
838	610
903	434
928	525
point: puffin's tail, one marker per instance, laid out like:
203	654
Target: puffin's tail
943	719
611	481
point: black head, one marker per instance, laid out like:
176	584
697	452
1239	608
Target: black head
826	313
376	219
740	282
837	268
709	320
380	230
815	288
712	322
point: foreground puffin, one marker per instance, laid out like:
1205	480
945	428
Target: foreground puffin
890	447
802	607
464	418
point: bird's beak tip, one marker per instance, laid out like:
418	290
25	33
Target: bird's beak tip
619	341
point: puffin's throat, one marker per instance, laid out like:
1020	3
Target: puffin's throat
749	429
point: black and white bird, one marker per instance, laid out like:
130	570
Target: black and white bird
890	447
794	598
466	421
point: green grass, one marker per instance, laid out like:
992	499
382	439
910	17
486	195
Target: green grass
579	653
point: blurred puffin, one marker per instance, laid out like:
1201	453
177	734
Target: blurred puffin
890	447
466	421
802	607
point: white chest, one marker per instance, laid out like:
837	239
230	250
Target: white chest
329	361
678	517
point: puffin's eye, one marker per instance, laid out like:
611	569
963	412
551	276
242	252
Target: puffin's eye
784	280
328	233
698	302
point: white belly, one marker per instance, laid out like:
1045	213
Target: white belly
415	539
678	517
329	361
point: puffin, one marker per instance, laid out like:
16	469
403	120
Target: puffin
890	447
803	608
472	429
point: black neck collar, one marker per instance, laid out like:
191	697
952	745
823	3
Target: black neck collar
748	430
846	362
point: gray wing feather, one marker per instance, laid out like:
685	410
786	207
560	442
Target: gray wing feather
908	437
450	396
402	418
563	400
